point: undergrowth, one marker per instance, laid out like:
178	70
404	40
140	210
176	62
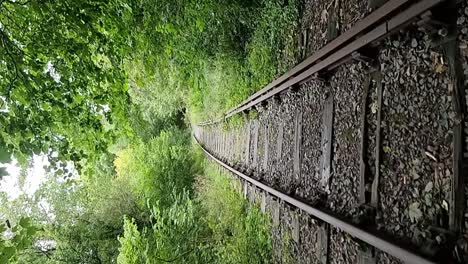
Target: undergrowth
271	50
215	224
241	230
209	56
198	58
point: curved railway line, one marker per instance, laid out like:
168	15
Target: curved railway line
366	235
360	149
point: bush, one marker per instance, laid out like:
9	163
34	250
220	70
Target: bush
240	229
269	49
177	234
131	250
159	168
218	226
208	56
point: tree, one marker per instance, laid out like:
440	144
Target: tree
82	219
21	236
62	86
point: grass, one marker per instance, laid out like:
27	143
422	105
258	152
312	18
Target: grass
242	232
271	49
211	224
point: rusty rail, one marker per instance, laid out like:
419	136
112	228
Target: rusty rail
386	20
370	237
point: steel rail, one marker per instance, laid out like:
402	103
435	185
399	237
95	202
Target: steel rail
378	32
360	26
377	25
368	236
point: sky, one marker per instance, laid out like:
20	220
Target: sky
35	176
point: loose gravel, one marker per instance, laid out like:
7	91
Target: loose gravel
417	133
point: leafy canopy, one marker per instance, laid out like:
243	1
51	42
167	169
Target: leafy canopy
21	238
62	87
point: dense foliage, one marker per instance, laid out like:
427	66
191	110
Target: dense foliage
218	226
158	168
62	83
20	237
208	56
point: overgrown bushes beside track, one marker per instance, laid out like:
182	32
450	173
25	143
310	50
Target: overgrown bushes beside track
208	58
213	225
212	55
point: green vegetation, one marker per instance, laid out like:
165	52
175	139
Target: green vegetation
156	170
216	226
61	67
20	238
241	231
106	92
226	50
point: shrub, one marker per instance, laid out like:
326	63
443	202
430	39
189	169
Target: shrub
177	234
240	229
132	246
159	168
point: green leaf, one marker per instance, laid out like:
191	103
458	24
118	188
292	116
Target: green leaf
9	252
25	222
31	231
5	156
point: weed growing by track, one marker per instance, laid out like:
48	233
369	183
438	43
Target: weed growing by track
214	225
240	229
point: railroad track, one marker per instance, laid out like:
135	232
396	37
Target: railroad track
362	144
